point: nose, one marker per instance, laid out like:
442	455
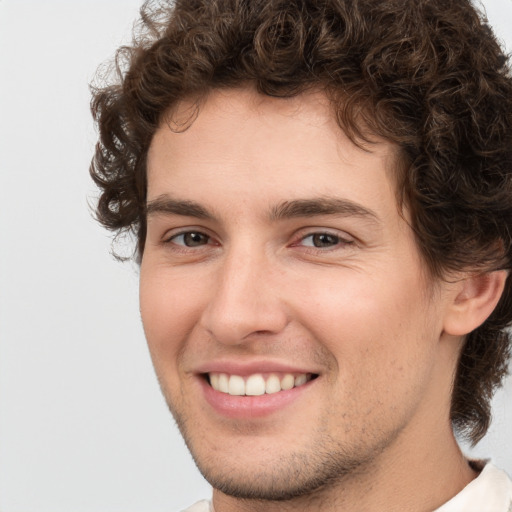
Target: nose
246	300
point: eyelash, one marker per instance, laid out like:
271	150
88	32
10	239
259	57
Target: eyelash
337	240
171	240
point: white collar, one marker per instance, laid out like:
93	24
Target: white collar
490	491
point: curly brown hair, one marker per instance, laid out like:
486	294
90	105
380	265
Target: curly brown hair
427	75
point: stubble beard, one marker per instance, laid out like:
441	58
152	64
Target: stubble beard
308	472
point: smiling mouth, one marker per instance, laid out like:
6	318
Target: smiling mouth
257	384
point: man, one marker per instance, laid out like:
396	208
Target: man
321	193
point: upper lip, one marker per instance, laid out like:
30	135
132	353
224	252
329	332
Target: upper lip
246	368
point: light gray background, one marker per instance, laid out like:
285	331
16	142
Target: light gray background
83	427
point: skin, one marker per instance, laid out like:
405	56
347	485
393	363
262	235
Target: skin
372	431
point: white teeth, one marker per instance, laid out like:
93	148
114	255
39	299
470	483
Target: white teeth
256	385
223	383
273	384
214	380
300	380
288	381
236	385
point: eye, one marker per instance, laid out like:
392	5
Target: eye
323	240
190	239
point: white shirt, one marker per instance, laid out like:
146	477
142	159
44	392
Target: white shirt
200	506
491	491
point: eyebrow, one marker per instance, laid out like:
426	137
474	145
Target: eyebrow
166	205
286	210
321	206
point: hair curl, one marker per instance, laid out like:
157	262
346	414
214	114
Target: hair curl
427	75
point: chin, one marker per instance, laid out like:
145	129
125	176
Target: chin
252	469
287	477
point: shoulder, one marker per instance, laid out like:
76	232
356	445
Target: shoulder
491	491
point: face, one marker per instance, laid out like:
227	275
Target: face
293	331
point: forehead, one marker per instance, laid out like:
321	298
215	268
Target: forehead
250	135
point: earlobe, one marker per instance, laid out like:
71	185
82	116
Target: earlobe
474	300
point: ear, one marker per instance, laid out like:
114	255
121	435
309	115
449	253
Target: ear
474	299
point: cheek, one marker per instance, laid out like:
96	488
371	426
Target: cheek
381	329
384	351
169	310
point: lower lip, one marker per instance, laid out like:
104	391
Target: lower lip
248	407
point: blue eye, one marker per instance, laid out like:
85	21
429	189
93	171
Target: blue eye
190	239
322	240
